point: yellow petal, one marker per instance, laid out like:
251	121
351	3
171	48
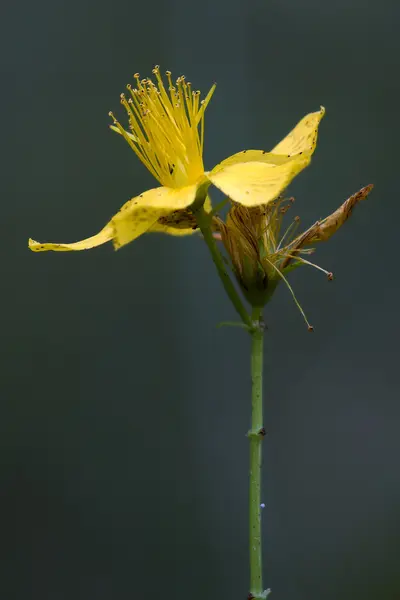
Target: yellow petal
171	229
136	217
142	213
180	222
303	138
255	183
105	235
252	156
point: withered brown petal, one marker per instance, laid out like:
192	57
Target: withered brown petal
331	224
321	231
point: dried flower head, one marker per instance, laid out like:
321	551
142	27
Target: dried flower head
262	255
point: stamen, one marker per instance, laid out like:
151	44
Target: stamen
310	327
166	126
307	262
292	230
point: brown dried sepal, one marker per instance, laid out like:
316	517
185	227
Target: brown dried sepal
331	224
321	231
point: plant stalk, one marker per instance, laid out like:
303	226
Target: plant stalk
256	435
255	327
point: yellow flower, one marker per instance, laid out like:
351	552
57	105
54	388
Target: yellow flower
166	131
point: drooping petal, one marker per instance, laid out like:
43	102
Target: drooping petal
171	229
180	222
142	213
303	138
136	217
105	235
255	183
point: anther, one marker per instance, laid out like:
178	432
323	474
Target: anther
330	276
297	218
136	76
168	73
310	328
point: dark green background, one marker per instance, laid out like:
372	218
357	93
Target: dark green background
123	408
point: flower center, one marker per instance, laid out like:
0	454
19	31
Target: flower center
166	128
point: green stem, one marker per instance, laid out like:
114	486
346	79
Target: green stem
204	222
255	326
256	435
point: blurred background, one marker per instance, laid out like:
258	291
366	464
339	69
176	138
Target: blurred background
123	408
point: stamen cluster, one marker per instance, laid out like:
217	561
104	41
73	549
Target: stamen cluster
166	127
